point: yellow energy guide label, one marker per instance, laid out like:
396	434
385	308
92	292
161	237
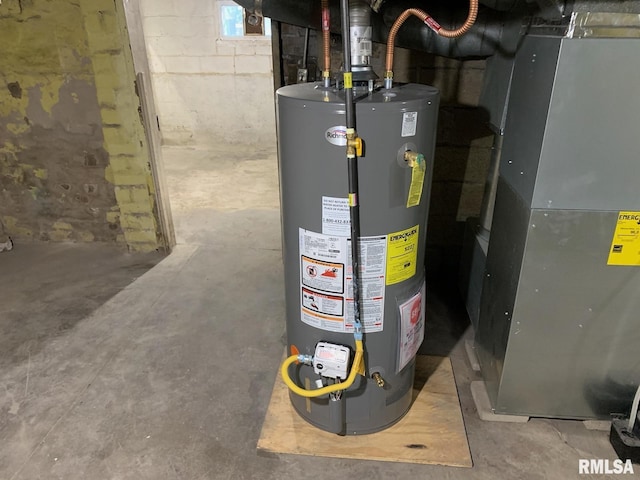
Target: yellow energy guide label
625	246
402	255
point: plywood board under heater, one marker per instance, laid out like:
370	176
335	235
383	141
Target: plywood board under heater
432	432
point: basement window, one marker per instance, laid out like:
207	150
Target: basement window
236	22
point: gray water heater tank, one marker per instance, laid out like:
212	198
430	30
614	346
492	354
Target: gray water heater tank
315	227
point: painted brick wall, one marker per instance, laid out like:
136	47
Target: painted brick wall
73	159
208	89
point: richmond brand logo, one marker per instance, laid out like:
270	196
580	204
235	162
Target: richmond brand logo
336	136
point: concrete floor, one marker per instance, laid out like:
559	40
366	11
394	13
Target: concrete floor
115	367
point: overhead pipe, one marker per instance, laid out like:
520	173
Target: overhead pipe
483	40
501	5
432	24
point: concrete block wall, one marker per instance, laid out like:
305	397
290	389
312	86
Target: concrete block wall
292	56
208	89
73	159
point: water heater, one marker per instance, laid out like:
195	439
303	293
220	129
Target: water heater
398	128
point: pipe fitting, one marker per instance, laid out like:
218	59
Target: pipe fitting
305	359
378	378
354	145
388	79
326	78
413	158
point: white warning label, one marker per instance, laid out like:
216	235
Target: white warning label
335	216
409	124
327	248
371	306
373	252
326	290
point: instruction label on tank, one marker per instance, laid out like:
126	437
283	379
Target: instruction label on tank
372	283
326	281
335	216
402	254
326	304
409	124
625	246
411	327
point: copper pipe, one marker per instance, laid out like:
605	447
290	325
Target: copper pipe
394	31
326	38
435	26
468	23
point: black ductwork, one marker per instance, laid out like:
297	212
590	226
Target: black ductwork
483	39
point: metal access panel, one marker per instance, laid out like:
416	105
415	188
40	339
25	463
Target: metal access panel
571	134
559	328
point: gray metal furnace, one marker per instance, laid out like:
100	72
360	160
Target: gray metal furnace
559	322
315	223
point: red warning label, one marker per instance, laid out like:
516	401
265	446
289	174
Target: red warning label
325	276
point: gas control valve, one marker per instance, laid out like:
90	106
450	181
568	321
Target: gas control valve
331	361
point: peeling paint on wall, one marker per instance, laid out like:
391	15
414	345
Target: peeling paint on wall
70	132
